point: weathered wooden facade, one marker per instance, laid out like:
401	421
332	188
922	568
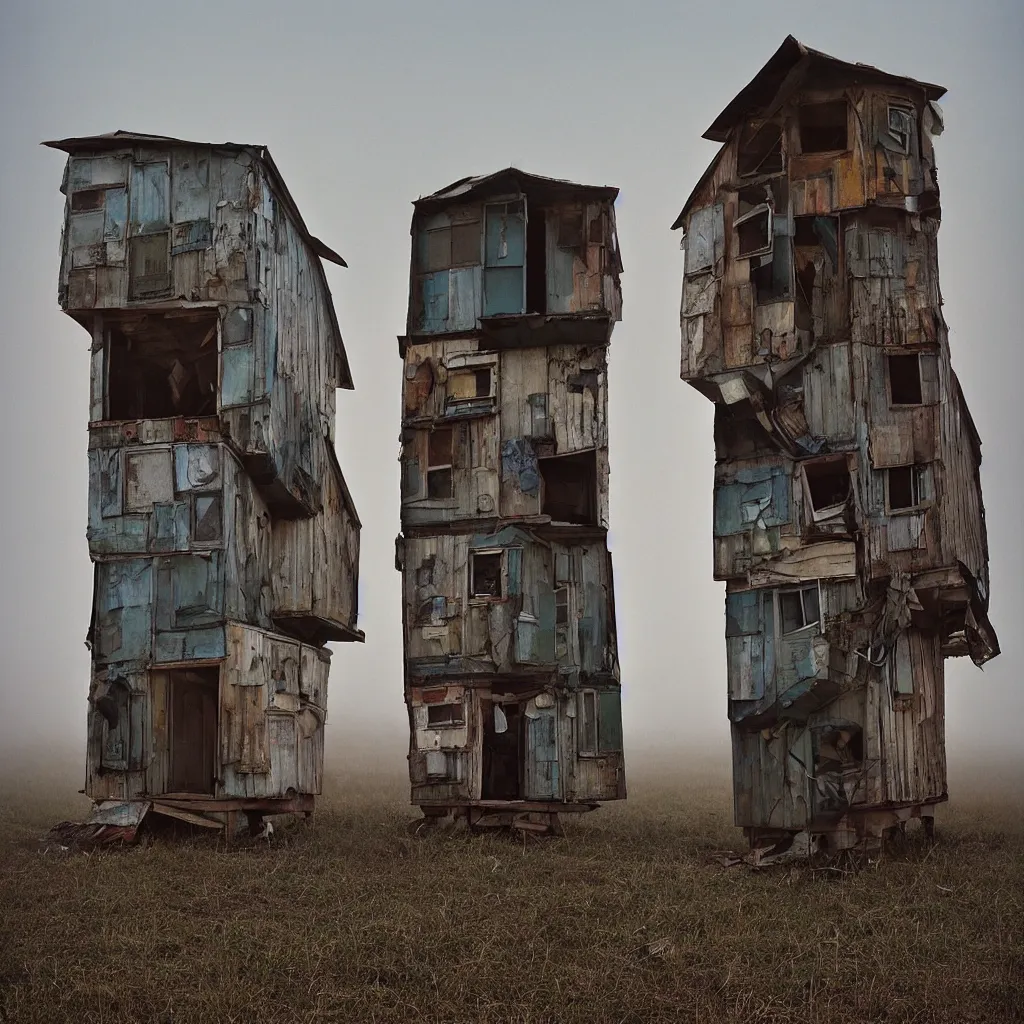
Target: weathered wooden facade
511	669
848	523
224	539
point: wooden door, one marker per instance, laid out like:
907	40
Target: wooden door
193	731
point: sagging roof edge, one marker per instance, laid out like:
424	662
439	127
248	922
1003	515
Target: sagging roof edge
763	87
680	221
120	139
464	188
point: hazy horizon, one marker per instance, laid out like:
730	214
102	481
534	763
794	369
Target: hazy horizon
367	107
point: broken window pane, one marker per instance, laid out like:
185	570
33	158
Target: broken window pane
569	493
823	127
754	232
828	480
445	714
486	575
902	483
905	379
901	126
798	608
207	524
760	149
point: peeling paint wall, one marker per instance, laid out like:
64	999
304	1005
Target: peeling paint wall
224	538
508	608
848	521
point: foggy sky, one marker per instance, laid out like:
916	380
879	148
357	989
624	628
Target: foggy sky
365	107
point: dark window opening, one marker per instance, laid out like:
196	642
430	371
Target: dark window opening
91	199
193	730
569	488
754	232
486	575
823	127
207	526
150	266
536	262
829	483
798	608
760	150
752	198
562	606
466	244
588	723
439	463
502	745
445	714
570	230
904	487
839	747
162	366
905	379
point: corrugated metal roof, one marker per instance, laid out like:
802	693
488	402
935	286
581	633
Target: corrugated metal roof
120	139
765	85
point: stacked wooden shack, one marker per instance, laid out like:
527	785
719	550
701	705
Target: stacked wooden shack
225	542
848	522
511	669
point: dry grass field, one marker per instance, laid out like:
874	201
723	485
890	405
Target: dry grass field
627	918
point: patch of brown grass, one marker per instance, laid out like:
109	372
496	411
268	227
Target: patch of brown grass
351	920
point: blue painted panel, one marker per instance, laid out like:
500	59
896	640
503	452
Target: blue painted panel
171	526
757	497
505	237
743	613
542	756
519	463
609	722
504	259
115	214
124	535
466	287
503	290
509	537
435	301
236	375
150	198
515	571
198	590
190	645
124	617
196	467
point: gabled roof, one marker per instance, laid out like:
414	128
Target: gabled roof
120	139
511	179
791	62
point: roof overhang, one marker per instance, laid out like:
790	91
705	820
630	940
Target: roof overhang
123	139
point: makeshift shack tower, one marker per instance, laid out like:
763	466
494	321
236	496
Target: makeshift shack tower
225	542
511	670
848	522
